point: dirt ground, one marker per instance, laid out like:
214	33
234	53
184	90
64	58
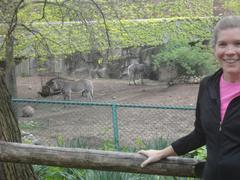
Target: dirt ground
94	123
152	92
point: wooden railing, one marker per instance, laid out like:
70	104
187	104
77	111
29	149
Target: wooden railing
97	159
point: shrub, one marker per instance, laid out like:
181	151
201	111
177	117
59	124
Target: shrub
187	60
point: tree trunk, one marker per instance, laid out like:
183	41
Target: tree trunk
11	83
10	75
9	131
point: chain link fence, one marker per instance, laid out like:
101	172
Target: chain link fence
92	123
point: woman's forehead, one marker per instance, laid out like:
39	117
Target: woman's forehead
230	33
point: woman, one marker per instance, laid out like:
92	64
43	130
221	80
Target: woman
217	121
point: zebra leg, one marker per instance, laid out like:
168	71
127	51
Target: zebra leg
83	92
129	79
90	97
134	77
141	77
65	98
67	95
88	94
70	95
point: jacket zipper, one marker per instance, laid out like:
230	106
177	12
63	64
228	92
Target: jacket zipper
220	126
221	121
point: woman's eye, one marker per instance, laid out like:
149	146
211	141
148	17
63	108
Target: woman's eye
222	44
237	44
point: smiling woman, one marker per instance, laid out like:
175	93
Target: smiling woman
227	51
217	123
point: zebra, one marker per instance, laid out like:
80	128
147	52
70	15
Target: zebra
136	70
65	86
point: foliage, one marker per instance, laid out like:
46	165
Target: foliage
199	154
30	125
143	9
157	143
232	6
123	9
104	175
74	37
108	146
188	60
60	29
60	140
57	173
77	143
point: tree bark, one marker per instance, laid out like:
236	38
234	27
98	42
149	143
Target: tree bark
10	75
9	131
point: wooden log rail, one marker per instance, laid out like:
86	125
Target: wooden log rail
97	159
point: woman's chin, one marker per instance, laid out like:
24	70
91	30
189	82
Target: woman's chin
232	72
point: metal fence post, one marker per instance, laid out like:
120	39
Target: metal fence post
115	125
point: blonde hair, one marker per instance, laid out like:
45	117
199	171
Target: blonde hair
223	24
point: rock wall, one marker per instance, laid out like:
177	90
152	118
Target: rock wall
93	64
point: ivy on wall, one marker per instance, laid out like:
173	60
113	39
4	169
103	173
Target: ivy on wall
66	39
130	24
232	6
157	9
123	9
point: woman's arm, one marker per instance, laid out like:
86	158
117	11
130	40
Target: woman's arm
183	145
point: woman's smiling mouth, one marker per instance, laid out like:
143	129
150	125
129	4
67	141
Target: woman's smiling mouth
231	61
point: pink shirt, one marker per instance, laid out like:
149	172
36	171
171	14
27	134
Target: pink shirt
228	91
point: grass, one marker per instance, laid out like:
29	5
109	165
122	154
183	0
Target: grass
29	125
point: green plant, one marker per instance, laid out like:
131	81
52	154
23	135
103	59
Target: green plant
157	143
232	6
108	145
70	38
60	140
199	154
29	125
58	173
187	60
77	143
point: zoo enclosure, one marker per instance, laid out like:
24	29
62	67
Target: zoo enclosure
95	122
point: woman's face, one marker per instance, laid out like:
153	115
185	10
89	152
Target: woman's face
227	51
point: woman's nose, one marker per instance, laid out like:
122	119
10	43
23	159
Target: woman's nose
230	50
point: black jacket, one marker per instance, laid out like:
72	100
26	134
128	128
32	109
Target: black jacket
222	140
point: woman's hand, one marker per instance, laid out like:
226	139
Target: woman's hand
156	155
152	156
